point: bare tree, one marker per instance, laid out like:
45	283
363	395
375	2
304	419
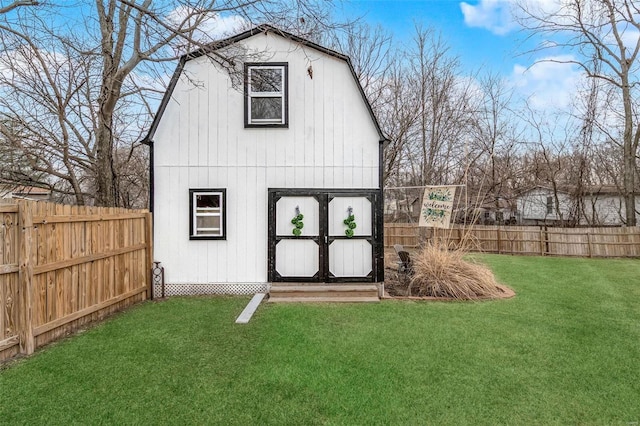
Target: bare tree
46	105
583	177
494	133
124	42
397	111
368	48
550	161
16	4
605	36
441	95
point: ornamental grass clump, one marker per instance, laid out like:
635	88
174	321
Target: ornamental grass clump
443	272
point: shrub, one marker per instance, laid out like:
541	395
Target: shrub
442	272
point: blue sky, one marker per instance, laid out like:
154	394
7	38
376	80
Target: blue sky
484	35
476	46
481	32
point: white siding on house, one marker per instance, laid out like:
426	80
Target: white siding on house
201	142
297	258
598	209
533	205
350	258
605	209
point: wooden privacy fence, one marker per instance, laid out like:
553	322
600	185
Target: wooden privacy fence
584	242
64	266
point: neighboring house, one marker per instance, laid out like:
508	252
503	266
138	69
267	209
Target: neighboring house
538	206
238	151
403	210
25	192
604	205
502	212
484	210
601	205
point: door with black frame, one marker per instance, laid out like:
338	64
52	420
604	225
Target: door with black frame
322	235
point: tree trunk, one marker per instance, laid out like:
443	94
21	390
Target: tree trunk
105	189
106	194
629	155
629	183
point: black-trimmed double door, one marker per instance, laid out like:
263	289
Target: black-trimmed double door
323	249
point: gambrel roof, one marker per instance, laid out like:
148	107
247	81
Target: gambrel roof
262	29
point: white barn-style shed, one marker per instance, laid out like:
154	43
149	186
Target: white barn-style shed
266	169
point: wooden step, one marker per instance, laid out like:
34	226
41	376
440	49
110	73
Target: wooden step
333	299
323	293
324	290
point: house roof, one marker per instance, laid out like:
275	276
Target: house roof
25	190
603	190
31	190
563	190
261	29
590	190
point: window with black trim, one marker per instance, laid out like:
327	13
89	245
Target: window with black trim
266	92
207	214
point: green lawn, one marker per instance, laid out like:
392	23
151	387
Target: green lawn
565	350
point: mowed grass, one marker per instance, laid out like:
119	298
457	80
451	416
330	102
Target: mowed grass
565	350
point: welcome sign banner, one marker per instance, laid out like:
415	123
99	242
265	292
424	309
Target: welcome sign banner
437	205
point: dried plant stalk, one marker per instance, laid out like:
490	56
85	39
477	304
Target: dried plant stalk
441	271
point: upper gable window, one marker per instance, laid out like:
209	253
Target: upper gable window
266	95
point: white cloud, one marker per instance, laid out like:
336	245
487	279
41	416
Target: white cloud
502	16
213	25
630	37
222	26
493	15
19	66
550	83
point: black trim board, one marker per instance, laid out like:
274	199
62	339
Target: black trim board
152	178
380	212
285	66
224	214
165	100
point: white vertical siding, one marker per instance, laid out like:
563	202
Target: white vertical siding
297	258
605	209
350	258
533	205
201	142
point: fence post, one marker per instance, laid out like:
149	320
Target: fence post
499	242
541	242
25	279
589	243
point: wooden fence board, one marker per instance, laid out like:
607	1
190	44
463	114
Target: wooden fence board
8	208
9	342
3	279
25	279
74	264
529	240
9	269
